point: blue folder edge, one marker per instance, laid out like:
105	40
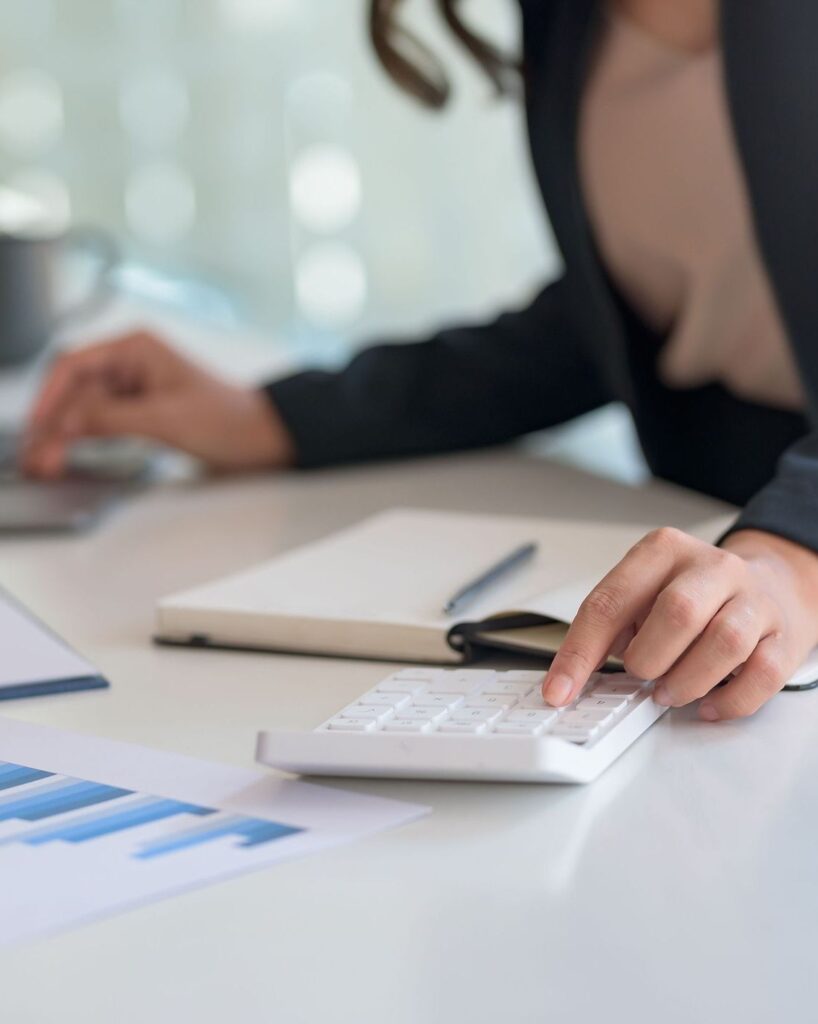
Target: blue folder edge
46	686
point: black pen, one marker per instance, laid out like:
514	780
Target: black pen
477	586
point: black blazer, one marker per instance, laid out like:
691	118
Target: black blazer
577	345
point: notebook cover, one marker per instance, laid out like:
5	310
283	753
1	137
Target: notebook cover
475	638
47	686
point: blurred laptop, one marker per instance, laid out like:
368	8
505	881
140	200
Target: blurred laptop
100	473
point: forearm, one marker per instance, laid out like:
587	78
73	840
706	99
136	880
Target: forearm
466	387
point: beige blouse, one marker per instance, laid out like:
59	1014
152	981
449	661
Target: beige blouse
671	215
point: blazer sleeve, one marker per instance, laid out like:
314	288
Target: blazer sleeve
772	81
788	505
466	387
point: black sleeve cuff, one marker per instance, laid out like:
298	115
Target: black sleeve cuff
304	402
788	506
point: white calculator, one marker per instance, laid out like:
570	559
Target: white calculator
471	724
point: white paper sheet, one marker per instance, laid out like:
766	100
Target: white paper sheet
31	653
71	852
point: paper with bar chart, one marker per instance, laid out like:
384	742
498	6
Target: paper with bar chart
90	826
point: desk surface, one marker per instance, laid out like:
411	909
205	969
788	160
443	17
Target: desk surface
678	888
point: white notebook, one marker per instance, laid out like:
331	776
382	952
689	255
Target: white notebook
377	590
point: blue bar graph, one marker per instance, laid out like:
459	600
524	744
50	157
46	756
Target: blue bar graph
107	824
254	831
50	784
71	797
63	795
12	775
7	768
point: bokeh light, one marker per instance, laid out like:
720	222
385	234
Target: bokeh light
325	188
330	284
20	214
48	190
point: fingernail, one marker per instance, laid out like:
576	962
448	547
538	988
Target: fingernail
559	690
708	713
662	697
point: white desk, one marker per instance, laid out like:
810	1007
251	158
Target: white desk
678	888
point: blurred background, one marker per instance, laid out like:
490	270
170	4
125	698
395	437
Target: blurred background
256	144
254	163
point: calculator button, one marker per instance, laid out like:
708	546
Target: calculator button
401	725
423	675
468	728
437	700
413	714
626	690
602	703
477	677
391	700
476	714
509	688
377	714
506	728
574	733
490	700
447	684
585	718
535	700
532	678
352	725
401	686
532	715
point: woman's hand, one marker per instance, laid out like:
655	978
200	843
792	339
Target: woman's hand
139	386
688	615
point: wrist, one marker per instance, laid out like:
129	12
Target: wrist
785	560
272	442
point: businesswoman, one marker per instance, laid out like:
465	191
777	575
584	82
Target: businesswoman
676	148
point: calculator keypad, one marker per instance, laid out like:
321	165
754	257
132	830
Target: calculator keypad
469	702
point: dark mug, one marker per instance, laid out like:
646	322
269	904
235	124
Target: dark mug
29	306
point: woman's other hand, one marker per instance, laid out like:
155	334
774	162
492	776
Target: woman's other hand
688	615
139	386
